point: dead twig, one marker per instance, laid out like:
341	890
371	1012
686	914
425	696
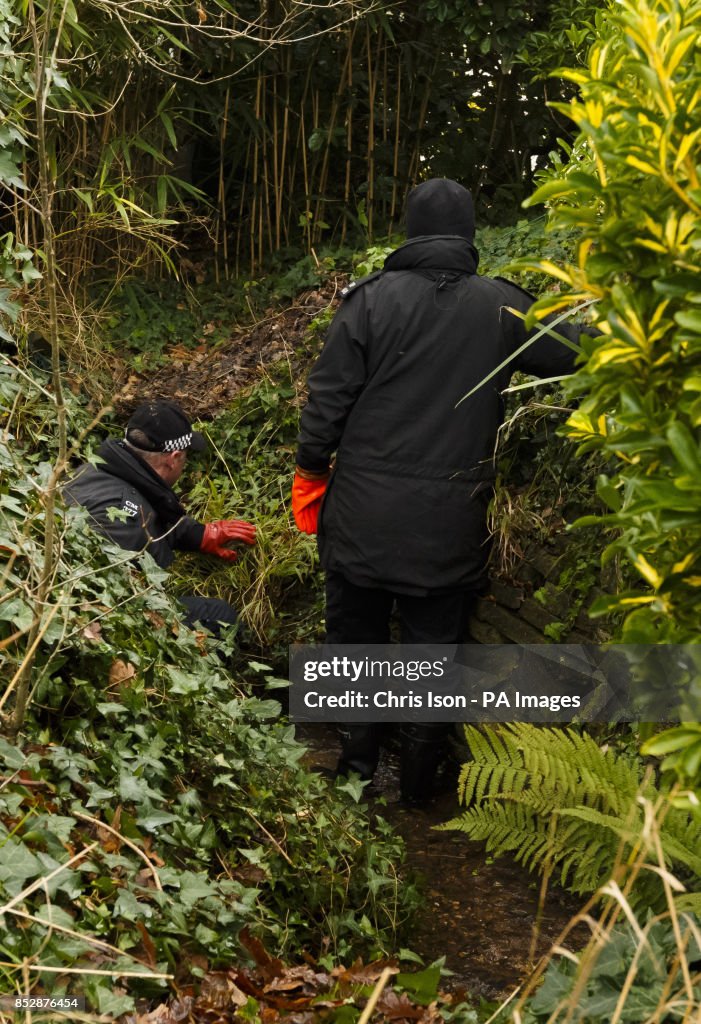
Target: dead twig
376	993
122	839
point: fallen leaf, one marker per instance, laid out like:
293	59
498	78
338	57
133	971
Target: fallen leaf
149	947
156	620
151	853
219	991
364	974
270	966
93	632
397	1006
120	672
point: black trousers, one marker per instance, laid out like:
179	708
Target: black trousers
210	612
362	615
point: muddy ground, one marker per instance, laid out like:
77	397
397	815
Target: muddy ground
485	917
206	378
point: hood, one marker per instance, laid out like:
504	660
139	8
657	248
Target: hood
435	252
119	461
440	207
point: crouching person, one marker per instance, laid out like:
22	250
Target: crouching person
136	477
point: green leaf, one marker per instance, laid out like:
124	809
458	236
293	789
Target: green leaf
422	984
183	683
690	319
17	612
608	493
152	820
18	865
685	448
194	887
111	708
167	122
10	173
128	907
59	825
11	757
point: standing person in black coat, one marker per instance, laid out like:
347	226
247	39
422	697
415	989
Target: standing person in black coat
130	497
402	517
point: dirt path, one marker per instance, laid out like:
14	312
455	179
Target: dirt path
482	915
206	378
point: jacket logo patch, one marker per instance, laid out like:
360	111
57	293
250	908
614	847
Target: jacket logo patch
130	508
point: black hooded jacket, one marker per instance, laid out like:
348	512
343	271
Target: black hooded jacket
150	515
406	505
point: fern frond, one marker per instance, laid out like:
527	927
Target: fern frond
503	829
497	765
682	854
547	794
689	902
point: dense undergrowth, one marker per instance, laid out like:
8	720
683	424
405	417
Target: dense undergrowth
246	474
169	805
154	806
183	795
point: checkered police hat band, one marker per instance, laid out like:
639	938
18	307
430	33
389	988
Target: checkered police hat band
178	444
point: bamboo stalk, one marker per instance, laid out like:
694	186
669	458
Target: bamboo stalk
20	680
372	85
397	124
221	195
305	170
300	147
285	131
241	219
335	105
83	936
385	94
414	166
492	135
107	973
255	203
349	134
277	192
264	228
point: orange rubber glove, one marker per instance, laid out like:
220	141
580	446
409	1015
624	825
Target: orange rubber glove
306	500
217	537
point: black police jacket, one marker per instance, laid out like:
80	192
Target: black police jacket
132	506
406	506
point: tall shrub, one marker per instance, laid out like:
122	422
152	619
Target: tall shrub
632	189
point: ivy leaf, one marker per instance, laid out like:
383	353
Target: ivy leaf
108	1002
194	887
17	612
127	906
18	865
10	757
423	985
59	825
154	819
10	173
183	683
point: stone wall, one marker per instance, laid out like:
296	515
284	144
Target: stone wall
509	613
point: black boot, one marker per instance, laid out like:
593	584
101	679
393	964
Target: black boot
360	750
423	749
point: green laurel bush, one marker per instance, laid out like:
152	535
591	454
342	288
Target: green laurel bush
632	190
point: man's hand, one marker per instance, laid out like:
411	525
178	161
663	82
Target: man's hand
217	537
307	491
